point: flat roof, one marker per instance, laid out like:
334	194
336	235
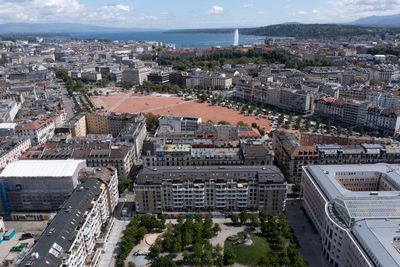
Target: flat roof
43	168
264	174
377	236
372	217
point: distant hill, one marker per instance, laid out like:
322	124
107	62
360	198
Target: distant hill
388	21
300	30
33	28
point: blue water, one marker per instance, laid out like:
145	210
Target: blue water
187	40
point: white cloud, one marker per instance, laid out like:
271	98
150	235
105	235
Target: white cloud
348	10
247	5
288	6
302	12
215	10
70	11
260	12
122	7
315	11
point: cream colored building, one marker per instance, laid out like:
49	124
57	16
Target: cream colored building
12	148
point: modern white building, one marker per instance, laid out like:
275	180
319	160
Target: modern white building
179	123
37	185
356	211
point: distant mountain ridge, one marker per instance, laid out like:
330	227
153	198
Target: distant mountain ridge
388	21
301	30
34	28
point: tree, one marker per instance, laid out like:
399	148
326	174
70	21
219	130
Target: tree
318	123
243	216
177	244
155	250
290	119
262	215
216	228
339	129
62	74
362	132
254	125
186	255
281	118
328	127
241	123
350	130
254	220
123	184
264	261
131	264
207	259
164	261
229	256
308	124
296	188
234	218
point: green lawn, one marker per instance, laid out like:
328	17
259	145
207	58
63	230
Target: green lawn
249	255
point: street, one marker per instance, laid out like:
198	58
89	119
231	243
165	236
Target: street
309	241
110	250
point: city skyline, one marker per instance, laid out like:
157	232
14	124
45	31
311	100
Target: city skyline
179	14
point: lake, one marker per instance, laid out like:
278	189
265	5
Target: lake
181	40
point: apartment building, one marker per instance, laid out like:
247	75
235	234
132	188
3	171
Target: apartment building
37	185
291	155
39	130
329	108
204	80
78	125
124	128
74	236
138	75
385	120
178	123
360	113
158	76
296	100
8	110
355	210
171	189
96	153
11	149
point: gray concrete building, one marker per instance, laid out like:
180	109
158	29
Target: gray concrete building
230	188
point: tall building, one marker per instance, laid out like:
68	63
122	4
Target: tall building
172	189
356	211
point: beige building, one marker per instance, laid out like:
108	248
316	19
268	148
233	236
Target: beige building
78	125
12	148
97	123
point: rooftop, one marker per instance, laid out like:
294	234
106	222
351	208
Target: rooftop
264	174
59	236
43	168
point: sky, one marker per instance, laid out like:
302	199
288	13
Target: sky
179	14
